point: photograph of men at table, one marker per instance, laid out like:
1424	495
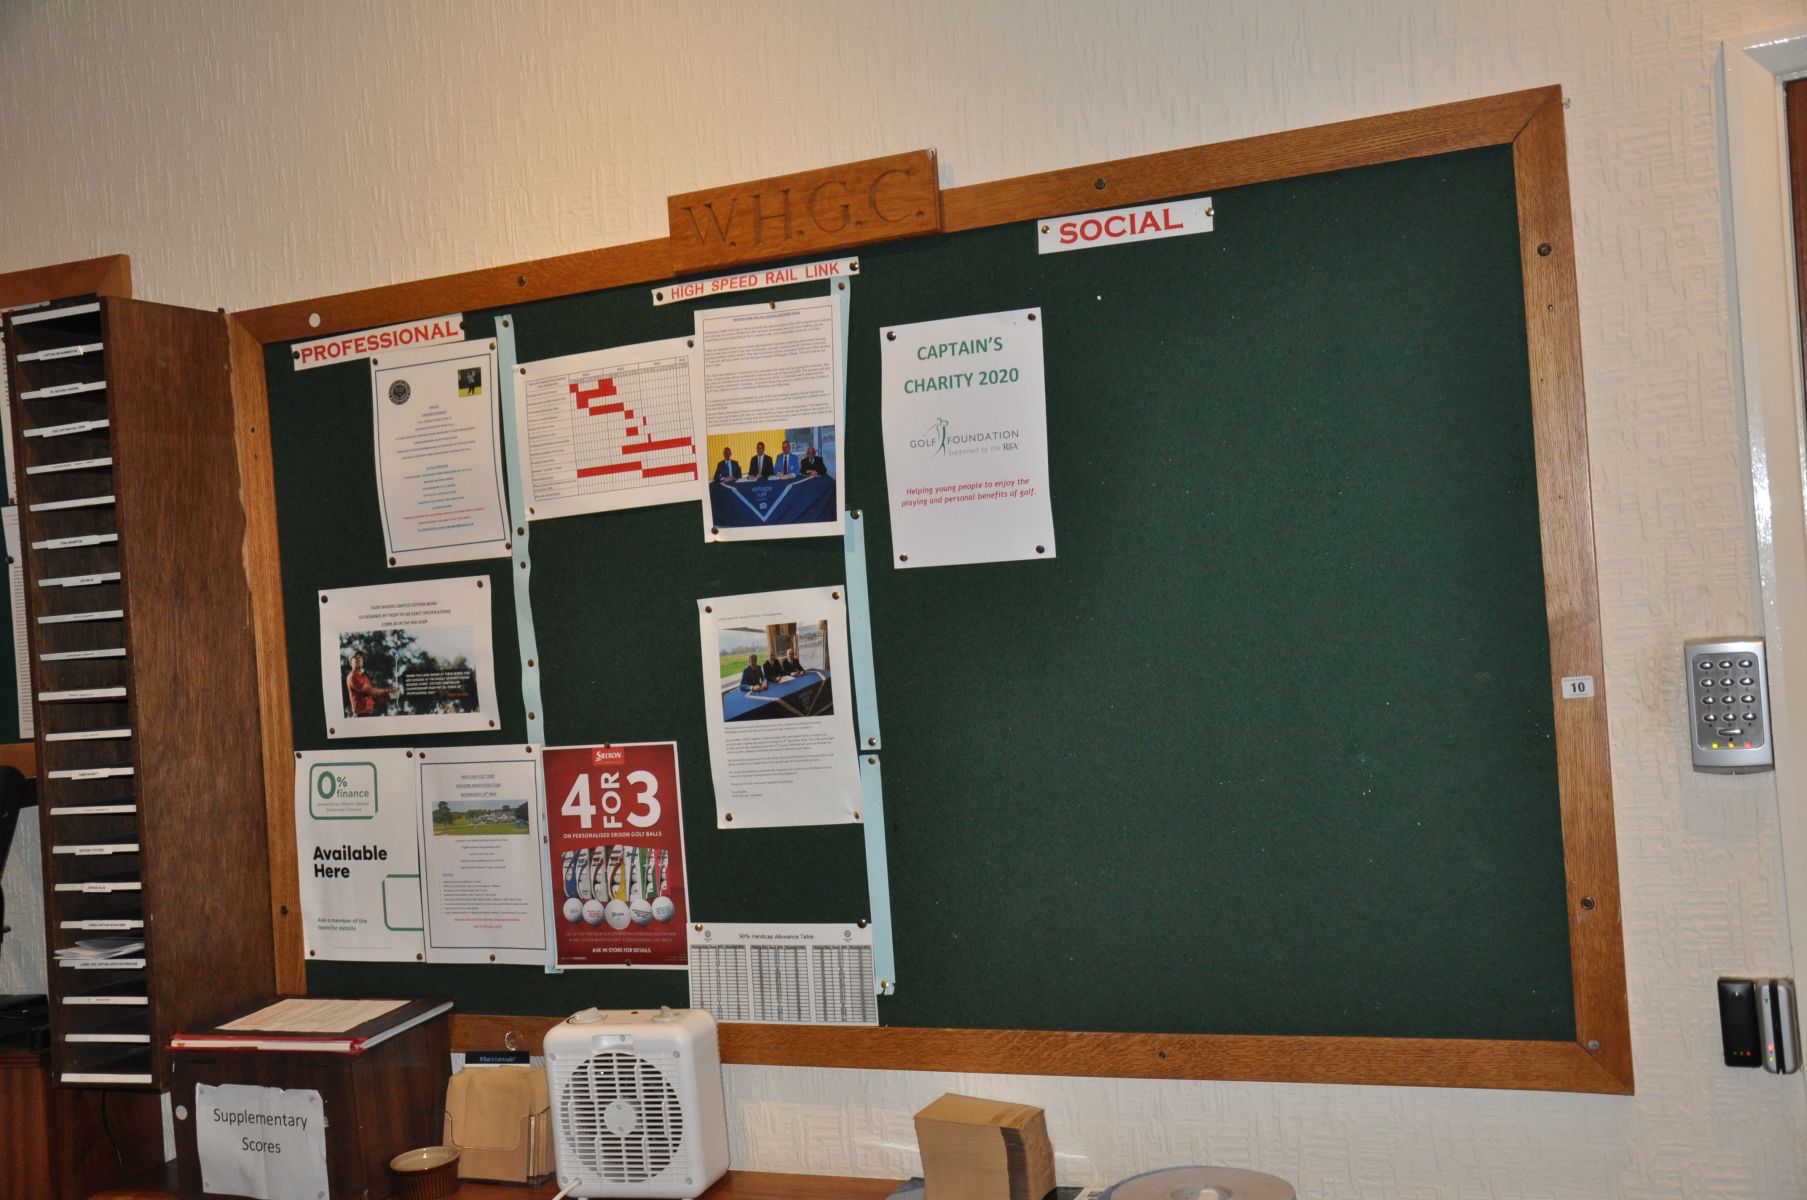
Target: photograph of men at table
772	477
775	671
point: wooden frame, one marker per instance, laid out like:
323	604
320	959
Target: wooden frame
110	275
1528	121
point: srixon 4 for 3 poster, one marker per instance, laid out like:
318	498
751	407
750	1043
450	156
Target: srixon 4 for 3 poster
617	845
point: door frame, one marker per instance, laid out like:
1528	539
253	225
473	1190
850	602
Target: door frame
1766	369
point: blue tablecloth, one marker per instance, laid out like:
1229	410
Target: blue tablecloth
772	502
808	695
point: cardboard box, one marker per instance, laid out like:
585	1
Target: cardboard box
500	1119
976	1149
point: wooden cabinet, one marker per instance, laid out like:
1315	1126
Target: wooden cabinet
67	1143
144	676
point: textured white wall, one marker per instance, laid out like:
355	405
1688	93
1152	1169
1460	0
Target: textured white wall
247	153
22	954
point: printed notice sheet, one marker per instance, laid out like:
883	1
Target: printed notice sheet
15	587
606	429
483	877
615	833
264	1142
357	851
769	382
779	707
439	453
811	974
407	658
965	419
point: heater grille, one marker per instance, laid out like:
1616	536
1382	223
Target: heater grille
619	1117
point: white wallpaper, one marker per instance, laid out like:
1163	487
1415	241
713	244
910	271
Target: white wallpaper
22	963
253	152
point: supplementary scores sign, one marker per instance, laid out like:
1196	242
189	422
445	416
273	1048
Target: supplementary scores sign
1143	223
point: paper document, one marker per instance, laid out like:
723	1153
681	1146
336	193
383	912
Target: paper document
615	826
808	974
438	449
769	384
965	417
607	429
407	658
312	1016
269	1143
357	851
483	867
116	947
15	584
779	707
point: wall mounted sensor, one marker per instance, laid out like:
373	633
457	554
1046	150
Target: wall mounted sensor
1728	706
1777	1024
1738	1031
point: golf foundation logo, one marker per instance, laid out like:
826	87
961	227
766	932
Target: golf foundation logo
934	439
342	791
399	391
941	438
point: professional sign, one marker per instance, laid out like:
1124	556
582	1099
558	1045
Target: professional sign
349	347
1113	227
877	200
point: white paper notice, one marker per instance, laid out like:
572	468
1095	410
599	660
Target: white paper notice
439	453
15	584
769	397
269	1143
482	860
965	417
407	658
357	849
605	430
779	705
815	974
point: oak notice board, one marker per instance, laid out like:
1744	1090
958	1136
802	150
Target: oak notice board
1273	750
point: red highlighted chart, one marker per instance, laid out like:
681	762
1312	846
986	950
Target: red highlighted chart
606	430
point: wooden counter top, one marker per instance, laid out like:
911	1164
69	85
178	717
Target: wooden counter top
735	1185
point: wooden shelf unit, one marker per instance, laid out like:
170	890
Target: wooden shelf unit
145	696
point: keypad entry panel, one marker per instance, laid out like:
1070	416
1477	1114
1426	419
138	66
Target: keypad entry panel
1728	694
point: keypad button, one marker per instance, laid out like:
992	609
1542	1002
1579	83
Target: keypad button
1705	664
1706	700
1706	683
1725	699
1747	681
1749	700
1709	719
1731	732
1726	663
1745	663
1726	682
1750	716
